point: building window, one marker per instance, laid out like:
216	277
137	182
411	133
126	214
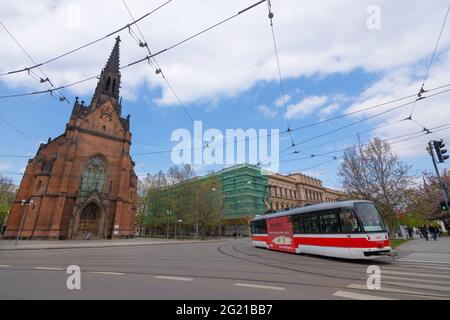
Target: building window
94	175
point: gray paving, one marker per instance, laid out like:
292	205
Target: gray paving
230	270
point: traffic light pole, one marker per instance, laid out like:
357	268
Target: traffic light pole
444	189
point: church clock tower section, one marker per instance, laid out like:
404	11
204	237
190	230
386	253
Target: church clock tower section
82	184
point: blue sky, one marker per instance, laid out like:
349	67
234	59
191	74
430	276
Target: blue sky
237	87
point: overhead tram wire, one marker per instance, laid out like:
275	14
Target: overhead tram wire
131	24
147	58
46	78
283	94
295	129
425	78
357	122
371	117
322	121
405	137
17	130
37	65
157	68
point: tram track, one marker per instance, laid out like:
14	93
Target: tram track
349	265
318	274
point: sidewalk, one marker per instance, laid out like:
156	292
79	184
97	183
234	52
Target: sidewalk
431	251
78	244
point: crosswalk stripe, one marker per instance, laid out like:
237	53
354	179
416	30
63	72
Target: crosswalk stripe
173	278
5	266
358	296
421	261
49	269
415	280
418	286
109	273
399	267
393	290
424	275
257	286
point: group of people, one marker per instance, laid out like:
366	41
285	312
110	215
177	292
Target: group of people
424	231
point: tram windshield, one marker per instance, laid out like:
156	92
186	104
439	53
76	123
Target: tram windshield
369	217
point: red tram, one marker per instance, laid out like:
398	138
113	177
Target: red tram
347	229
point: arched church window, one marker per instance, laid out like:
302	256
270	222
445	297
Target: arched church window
94	175
108	84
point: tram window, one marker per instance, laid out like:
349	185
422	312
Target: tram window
297	224
311	223
259	227
329	222
349	222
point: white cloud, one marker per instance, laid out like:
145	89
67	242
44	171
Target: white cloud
280	101
306	106
314	38
5	166
429	113
330	109
267	112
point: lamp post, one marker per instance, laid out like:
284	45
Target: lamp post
169	213
179	228
26	203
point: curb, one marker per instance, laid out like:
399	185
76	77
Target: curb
106	245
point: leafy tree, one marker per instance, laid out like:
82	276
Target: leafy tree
195	201
424	201
373	172
7	195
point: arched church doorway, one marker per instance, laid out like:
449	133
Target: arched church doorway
89	221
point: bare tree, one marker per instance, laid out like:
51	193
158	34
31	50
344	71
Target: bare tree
373	172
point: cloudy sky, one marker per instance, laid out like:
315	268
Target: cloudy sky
336	57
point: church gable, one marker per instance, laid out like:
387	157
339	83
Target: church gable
104	119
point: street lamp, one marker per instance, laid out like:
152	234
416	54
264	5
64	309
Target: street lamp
26	203
169	213
179	227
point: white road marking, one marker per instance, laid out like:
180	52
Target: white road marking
49	269
420	261
257	286
414	280
110	273
173	278
384	289
358	296
418	286
425	275
5	266
416	266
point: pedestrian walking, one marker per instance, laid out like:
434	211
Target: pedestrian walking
419	233
410	232
433	232
424	231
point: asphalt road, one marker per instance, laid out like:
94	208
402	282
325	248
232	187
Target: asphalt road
230	270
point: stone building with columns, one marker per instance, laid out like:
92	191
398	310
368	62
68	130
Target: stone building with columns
298	190
82	184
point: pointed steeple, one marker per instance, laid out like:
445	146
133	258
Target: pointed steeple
108	86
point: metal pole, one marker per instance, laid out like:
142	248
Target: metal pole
444	190
175	230
197	222
22	221
168	217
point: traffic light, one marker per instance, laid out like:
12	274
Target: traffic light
444	206
440	151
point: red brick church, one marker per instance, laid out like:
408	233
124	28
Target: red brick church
82	184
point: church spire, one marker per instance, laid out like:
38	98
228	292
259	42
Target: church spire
109	83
